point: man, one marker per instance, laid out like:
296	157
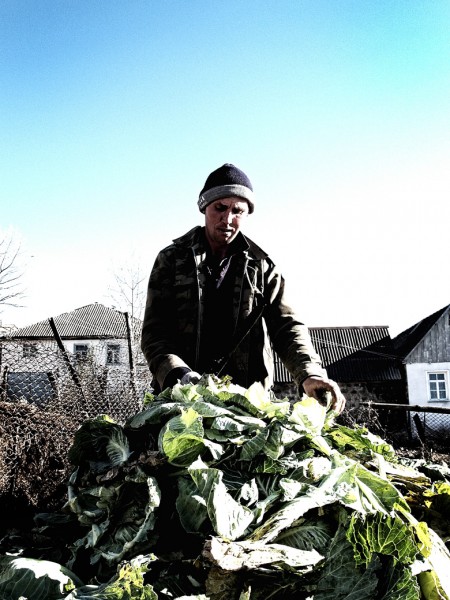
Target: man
216	303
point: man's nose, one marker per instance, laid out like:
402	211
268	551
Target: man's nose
227	216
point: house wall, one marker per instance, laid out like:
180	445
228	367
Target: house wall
98	350
12	355
40	374
432	354
418	392
47	352
417	378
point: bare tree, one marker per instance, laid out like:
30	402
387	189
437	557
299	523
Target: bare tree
11	271
128	289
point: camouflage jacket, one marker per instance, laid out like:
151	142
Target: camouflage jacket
263	320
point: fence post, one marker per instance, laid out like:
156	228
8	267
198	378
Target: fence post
420	428
4	385
130	355
70	366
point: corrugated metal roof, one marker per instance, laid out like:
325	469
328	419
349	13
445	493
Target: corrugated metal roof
352	354
91	321
336	343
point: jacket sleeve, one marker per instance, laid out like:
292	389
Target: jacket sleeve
159	336
289	336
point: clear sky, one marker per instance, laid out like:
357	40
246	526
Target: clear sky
113	113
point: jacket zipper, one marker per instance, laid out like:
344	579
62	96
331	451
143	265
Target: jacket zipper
199	309
241	294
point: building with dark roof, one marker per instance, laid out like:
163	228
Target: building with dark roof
104	341
92	328
361	359
94	321
424	350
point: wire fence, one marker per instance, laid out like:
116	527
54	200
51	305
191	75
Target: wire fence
91	381
405	425
46	392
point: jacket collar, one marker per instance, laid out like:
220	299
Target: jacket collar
195	238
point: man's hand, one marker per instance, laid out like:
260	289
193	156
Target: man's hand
190	377
316	387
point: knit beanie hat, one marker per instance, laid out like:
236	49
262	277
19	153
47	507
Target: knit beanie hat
226	181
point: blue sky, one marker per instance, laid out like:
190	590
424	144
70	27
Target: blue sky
112	114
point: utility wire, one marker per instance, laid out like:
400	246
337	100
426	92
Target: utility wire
348	347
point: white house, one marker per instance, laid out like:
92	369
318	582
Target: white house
91	353
424	350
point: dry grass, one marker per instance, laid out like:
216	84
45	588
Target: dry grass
33	457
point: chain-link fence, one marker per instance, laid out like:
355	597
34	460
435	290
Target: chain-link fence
46	392
404	425
430	427
83	384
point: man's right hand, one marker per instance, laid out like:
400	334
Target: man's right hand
190	377
318	386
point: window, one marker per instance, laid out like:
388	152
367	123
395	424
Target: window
80	351
437	386
29	350
113	354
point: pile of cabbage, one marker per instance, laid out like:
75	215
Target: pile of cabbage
216	492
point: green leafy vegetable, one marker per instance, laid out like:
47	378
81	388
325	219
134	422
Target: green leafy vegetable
214	491
34	579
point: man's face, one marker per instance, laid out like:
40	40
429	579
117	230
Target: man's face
223	220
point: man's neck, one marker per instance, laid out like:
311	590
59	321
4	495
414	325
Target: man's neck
222	251
218	251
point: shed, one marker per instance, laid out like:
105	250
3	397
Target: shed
360	358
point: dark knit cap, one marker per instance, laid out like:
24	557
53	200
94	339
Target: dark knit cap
224	182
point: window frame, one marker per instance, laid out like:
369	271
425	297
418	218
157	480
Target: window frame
29	350
113	354
80	354
444	378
